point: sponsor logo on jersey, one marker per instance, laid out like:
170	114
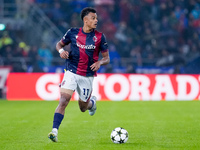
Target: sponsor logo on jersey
86	46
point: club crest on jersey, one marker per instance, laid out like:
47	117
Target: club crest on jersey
94	38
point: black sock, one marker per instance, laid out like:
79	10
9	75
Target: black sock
57	120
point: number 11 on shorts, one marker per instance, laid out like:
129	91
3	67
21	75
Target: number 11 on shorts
85	92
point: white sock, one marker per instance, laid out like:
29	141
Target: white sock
55	130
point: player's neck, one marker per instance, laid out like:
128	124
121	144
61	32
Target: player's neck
87	29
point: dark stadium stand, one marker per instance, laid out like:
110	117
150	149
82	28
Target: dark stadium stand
140	34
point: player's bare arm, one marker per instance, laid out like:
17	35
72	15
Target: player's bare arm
105	60
59	47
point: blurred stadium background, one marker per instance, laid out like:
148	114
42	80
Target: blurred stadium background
141	33
155	56
144	36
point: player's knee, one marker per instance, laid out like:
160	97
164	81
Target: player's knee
83	109
64	99
63	104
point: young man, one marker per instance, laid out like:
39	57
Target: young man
81	66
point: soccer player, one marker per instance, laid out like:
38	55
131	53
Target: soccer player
81	66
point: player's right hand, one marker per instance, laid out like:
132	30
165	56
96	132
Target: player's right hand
64	55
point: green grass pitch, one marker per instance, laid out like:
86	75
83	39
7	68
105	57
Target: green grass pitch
24	125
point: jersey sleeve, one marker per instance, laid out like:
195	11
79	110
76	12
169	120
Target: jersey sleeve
104	44
66	38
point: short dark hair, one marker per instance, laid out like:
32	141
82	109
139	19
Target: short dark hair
86	11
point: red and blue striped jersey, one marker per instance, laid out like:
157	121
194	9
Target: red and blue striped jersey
84	50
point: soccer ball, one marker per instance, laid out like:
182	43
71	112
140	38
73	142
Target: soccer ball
119	135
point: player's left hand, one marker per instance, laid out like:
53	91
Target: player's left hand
95	66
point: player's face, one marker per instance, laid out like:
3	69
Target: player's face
91	20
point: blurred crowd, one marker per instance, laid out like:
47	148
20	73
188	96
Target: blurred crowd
140	33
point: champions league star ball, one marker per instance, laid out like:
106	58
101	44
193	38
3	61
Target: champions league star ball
119	135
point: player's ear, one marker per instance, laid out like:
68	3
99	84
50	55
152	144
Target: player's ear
85	19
